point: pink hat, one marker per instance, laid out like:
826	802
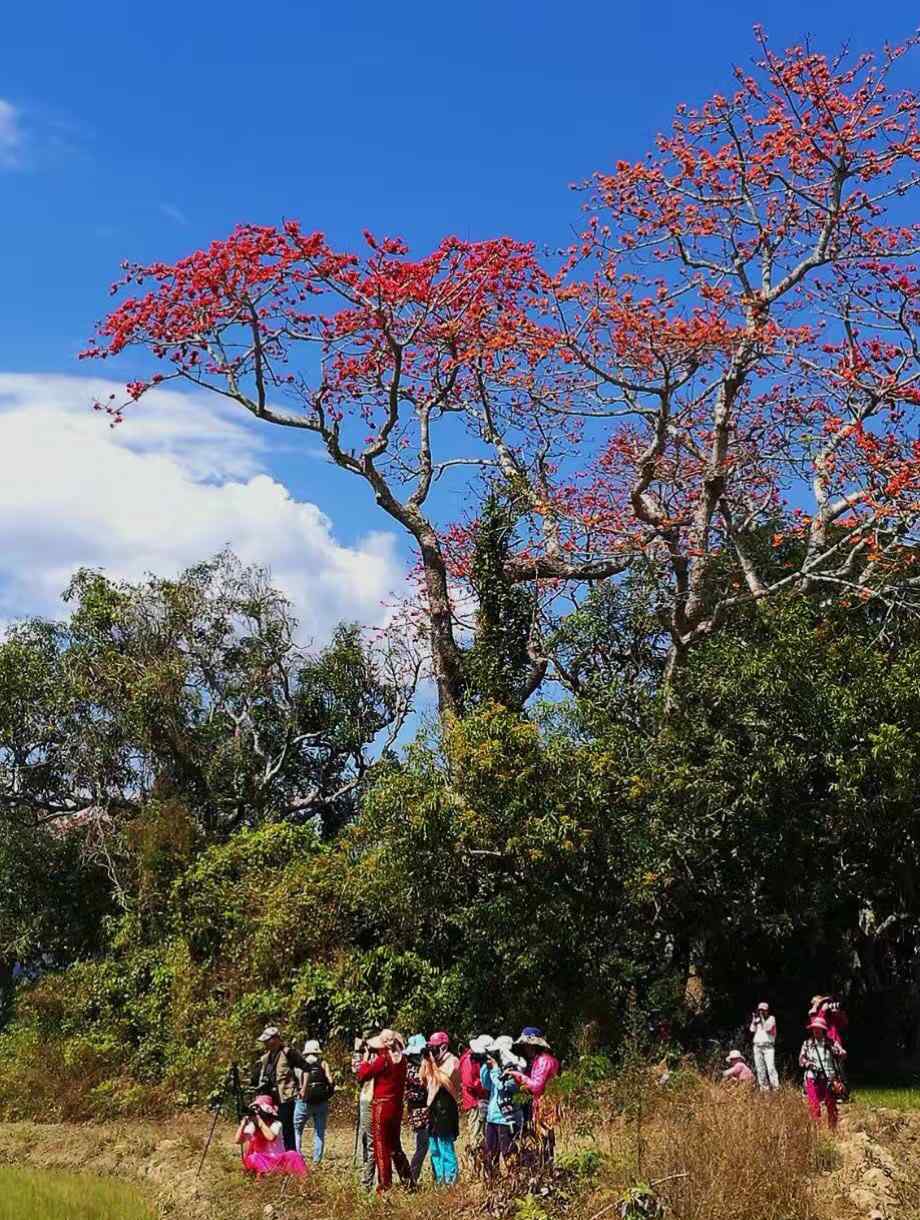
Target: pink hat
266	1102
817	1023
439	1039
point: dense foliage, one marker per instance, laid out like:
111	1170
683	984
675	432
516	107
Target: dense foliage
512	866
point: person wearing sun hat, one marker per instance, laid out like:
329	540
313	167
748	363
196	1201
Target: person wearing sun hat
542	1067
316	1089
474	1099
386	1067
440	1072
504	1115
820	1057
738	1071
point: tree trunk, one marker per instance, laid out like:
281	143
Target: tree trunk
446	656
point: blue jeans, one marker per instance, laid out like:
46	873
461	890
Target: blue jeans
318	1111
443	1159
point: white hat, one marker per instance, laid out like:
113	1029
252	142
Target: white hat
312	1047
481	1045
733	1056
269	1032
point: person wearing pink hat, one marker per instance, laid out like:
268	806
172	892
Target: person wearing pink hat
763	1027
820	1057
262	1139
440	1072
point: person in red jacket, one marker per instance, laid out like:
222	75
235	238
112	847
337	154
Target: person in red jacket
474	1099
387	1069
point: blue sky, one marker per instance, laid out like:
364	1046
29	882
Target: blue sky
141	131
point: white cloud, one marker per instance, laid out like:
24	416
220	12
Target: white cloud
174	213
11	136
181	478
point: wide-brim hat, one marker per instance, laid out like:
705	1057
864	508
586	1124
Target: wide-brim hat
733	1056
817	1023
265	1102
386	1040
481	1045
416	1044
312	1047
269	1032
532	1036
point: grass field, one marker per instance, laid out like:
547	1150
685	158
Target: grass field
903	1096
27	1194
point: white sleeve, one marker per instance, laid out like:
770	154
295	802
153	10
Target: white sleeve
275	1129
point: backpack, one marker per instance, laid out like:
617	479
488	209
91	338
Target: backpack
316	1086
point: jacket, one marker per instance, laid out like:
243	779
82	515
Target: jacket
283	1080
389	1078
502	1089
472	1094
540	1073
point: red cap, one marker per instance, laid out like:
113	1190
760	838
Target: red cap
439	1039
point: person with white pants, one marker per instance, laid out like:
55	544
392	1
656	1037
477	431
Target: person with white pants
763	1027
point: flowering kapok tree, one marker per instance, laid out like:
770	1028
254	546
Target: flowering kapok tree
406	369
743	312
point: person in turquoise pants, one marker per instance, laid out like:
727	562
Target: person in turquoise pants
440	1072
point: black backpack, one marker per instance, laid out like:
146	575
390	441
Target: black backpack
316	1083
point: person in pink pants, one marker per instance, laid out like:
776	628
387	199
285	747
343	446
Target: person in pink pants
820	1057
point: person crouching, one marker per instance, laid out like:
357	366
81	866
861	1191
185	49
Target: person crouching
260	1134
738	1071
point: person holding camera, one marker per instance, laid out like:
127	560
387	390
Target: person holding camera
384	1066
260	1134
364	1139
821	1058
417	1103
440	1073
474	1098
275	1073
763	1027
312	1105
542	1068
504	1113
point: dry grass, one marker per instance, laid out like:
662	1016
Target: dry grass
711	1154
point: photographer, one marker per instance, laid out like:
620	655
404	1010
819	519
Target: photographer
383	1065
275	1074
364	1138
821	1058
504	1114
260	1134
474	1099
763	1027
417	1103
440	1073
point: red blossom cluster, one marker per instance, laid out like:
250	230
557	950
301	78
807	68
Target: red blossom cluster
728	352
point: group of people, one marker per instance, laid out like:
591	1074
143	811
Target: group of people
499	1085
293	1089
821	1057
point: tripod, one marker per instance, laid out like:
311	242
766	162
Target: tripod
230	1090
